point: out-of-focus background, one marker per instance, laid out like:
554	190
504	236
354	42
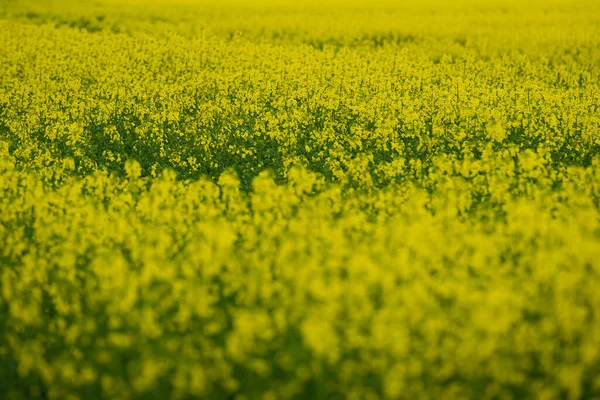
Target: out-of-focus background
484	26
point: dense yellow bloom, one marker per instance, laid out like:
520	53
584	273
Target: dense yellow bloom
320	199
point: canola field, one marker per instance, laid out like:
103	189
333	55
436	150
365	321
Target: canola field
299	200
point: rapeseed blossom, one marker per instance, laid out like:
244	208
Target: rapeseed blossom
317	200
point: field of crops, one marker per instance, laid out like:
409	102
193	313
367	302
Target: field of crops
299	200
